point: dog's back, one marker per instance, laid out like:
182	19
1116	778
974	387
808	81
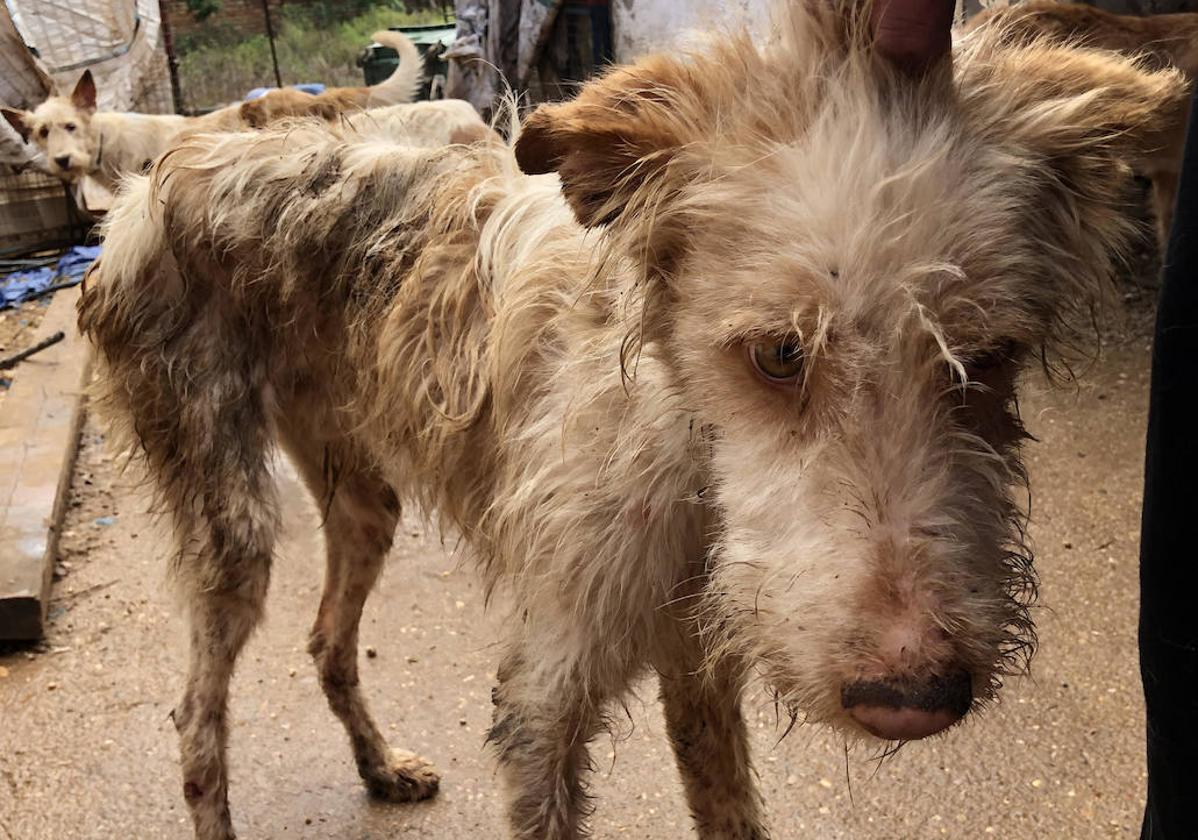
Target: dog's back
401	86
438	123
315	230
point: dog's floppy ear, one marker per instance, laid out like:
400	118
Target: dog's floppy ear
1083	113
83	96
1074	124
1082	101
618	136
19	120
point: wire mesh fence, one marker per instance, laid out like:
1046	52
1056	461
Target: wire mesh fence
36	211
120	41
163	56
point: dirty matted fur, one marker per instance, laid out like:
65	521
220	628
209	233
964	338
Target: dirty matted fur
728	388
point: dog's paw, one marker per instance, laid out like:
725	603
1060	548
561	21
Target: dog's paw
406	777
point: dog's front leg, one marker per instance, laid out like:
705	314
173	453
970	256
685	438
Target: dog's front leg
701	701
548	705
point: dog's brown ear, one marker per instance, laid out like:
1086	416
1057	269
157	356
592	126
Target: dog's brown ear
1082	111
538	151
1088	119
622	138
83	96
615	139
19	120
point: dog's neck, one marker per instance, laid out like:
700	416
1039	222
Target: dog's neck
126	143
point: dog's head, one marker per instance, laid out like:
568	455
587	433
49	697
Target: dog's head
286	102
62	128
847	266
256	113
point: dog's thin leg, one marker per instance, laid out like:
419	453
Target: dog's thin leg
1164	193
220	625
358	533
224	568
203	427
548	705
707	732
362	512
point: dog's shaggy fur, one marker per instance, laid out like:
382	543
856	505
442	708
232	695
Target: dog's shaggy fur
1158	41
743	401
402	86
78	141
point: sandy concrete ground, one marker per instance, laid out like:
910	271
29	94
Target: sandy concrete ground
18	330
87	749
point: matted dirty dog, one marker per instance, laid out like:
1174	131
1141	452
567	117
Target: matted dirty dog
714	369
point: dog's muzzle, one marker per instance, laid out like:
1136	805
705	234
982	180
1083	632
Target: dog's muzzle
908	708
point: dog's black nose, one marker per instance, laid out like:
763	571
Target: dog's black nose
63	161
906	708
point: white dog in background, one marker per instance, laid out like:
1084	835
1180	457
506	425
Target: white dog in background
80	142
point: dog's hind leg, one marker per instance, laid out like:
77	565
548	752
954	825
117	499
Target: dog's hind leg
223	608
361	513
710	741
223	500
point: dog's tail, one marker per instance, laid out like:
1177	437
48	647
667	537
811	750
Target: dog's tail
123	297
404	84
126	308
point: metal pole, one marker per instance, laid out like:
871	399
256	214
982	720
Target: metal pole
172	60
270	35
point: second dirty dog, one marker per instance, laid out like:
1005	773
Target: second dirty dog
713	369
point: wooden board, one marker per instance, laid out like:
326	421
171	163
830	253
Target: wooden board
39	433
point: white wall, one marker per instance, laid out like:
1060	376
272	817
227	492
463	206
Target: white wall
645	26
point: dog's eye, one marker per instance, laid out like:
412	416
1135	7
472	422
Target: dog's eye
993	358
778	362
70	127
44	133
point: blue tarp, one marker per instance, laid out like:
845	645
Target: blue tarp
313	88
68	271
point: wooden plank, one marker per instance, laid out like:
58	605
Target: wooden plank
40	420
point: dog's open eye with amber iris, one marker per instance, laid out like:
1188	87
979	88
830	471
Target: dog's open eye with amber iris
777	361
